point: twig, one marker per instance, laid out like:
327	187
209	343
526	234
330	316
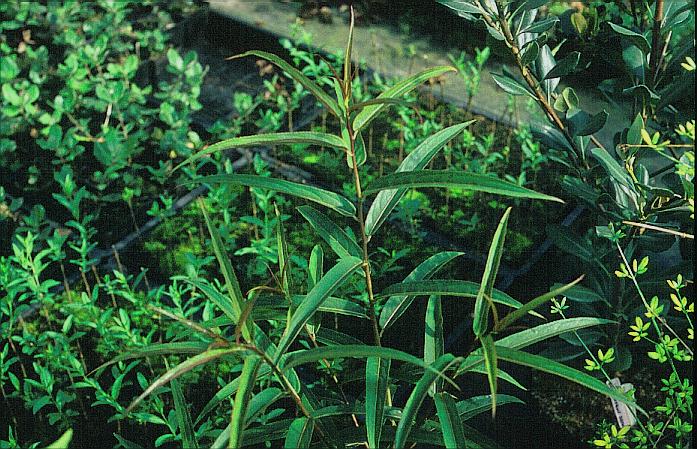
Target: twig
660	229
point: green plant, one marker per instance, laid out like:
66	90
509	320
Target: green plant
626	185
270	400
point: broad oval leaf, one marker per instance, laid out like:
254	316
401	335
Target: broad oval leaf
448	178
315	194
402	87
387	200
565	66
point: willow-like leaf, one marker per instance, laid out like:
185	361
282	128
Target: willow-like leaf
550	366
185	367
298	76
493	260
181	410
444	287
402	87
449	178
332	280
377	375
450	421
300	433
387	200
315	194
417	397
433	336
528	337
238	420
531	305
491	365
338	240
396	305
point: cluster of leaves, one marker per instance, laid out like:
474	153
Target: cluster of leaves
643	186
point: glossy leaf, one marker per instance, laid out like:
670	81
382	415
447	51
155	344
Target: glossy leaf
570	243
450	422
447	178
469	408
185	367
635	38
300	433
486	288
541	26
416	398
580	293
565	66
298	76
339	241
542	332
511	85
244	393
270	139
320	196
549	366
155	349
396	305
181	410
612	167
433	336
377	375
402	87
517	314
444	287
332	280
387	200
491	366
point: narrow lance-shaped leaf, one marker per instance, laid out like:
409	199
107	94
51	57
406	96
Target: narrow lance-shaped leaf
531	305
433	336
239	407
283	256
416	398
550	366
334	278
387	200
296	358
443	287
472	407
320	196
300	433
343	245
450	421
233	305
404	86
377	374
528	337
186	426
298	76
185	367
270	139
155	349
481	305
491	365
458	179
315	268
396	305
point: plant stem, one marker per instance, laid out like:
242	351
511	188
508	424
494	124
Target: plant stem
364	236
656	42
